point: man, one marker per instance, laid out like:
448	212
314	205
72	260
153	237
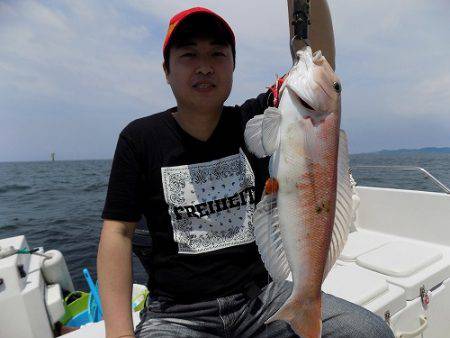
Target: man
188	171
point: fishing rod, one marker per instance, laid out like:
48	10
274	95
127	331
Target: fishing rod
300	22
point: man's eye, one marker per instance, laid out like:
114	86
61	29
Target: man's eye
188	55
219	54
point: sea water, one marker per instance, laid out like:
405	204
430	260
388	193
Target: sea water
58	204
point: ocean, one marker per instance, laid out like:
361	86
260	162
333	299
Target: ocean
58	204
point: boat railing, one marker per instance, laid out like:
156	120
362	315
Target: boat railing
426	173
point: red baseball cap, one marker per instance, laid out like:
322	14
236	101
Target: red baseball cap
180	17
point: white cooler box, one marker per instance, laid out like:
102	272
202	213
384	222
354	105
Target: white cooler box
422	272
391	279
364	288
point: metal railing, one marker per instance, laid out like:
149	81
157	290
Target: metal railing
438	183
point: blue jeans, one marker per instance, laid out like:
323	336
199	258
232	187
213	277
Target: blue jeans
239	316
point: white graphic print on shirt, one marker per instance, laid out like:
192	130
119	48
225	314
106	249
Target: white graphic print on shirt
211	204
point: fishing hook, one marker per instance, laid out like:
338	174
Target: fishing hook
300	22
293	52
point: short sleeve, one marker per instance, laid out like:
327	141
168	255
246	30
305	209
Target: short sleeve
124	196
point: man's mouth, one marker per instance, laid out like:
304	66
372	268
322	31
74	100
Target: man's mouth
204	85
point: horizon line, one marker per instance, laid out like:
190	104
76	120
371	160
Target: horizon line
110	159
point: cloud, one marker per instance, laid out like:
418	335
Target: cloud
394	65
69	65
76	54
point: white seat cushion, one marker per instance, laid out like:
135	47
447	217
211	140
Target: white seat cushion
354	284
399	259
361	242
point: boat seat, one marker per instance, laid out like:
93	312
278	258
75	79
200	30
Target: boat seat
361	242
365	288
408	265
399	259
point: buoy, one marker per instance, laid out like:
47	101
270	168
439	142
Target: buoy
55	270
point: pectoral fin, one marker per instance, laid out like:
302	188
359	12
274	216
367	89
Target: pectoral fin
262	132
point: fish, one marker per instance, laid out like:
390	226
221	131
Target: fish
302	222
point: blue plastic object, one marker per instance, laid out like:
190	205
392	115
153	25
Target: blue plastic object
80	319
95	311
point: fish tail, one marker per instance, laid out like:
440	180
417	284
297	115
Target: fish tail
289	313
285	313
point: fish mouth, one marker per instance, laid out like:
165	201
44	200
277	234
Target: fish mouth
304	103
300	100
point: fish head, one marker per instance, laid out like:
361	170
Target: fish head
314	84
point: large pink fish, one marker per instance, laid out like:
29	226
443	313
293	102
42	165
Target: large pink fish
302	221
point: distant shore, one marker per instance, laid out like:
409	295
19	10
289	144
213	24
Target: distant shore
428	150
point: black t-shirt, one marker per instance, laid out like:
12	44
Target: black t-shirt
198	198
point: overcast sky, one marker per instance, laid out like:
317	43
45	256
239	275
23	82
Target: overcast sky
74	73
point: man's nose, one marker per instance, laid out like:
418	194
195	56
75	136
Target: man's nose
205	68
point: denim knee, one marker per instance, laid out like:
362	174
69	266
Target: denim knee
359	324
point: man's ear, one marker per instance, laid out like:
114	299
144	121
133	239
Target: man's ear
166	72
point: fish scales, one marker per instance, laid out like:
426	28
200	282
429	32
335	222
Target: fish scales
311	210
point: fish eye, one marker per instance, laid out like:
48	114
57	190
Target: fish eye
337	87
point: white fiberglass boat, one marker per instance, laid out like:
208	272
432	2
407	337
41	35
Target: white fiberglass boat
396	263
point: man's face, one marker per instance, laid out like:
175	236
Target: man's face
201	74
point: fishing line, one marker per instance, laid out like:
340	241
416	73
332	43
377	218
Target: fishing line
7	252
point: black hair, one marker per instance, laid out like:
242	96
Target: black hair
199	25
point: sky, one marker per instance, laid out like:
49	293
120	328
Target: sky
73	74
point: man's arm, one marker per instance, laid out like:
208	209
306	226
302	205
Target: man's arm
320	35
114	274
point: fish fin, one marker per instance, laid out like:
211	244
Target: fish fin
268	237
271	129
253	136
344	205
262	132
